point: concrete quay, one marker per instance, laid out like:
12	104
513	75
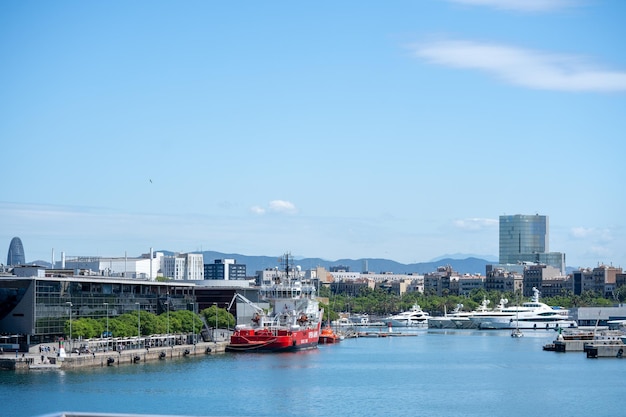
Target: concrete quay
606	349
34	361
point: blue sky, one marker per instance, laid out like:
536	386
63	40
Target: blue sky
398	130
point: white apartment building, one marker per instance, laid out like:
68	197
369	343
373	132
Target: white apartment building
146	266
183	267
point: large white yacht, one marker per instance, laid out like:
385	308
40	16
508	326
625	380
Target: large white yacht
457	319
413	317
530	315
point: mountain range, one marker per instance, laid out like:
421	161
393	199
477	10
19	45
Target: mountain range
469	265
461	263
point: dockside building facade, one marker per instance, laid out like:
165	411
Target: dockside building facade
36	308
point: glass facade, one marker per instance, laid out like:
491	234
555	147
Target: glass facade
524	239
16	254
39	307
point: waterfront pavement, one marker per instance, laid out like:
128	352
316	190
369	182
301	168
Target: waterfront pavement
48	358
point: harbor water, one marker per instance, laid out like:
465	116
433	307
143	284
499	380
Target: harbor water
437	373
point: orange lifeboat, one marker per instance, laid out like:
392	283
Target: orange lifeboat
328	336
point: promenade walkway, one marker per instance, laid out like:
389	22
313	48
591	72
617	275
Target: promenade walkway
46	356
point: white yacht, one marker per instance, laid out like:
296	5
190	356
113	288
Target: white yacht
457	319
413	317
530	315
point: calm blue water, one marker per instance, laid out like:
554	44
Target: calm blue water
437	373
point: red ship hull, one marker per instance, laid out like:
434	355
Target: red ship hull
276	340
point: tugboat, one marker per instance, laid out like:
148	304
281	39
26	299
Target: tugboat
293	322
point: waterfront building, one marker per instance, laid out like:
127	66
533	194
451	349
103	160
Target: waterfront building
36	308
504	278
439	282
320	274
345	276
535	275
351	287
466	283
557	285
16	254
342	281
599	316
602	280
146	266
340	268
224	269
185	266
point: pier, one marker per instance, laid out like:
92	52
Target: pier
34	361
606	349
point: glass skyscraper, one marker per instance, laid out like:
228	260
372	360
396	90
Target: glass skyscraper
524	238
16	253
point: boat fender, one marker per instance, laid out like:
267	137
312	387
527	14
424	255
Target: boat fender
620	352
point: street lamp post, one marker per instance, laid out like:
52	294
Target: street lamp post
167	304
69	304
215	330
193	323
138	324
107	333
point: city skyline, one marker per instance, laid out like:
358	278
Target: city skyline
352	130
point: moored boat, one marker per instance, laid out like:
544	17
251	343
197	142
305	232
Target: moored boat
293	322
530	315
328	336
454	320
413	317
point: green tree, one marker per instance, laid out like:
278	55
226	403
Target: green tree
86	328
121	328
224	318
620	293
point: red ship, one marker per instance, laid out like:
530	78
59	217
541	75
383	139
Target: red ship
293	322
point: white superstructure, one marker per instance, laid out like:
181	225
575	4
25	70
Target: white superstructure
413	317
530	315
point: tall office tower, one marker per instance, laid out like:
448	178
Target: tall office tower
16	252
523	238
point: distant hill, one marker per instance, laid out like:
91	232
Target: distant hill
258	263
469	265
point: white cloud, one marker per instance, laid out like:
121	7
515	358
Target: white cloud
282	206
257	210
594	234
580	232
275	206
521	5
524	67
475	223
